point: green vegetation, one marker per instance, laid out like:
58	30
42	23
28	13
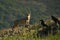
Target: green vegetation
26	35
17	37
11	10
30	35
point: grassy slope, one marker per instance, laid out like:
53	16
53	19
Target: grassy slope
30	37
16	9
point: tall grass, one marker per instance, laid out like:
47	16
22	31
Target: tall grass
26	35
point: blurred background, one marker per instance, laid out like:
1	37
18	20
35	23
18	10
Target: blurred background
11	10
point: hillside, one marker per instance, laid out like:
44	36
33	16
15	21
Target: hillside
11	10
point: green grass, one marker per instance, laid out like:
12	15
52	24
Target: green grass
29	36
18	37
